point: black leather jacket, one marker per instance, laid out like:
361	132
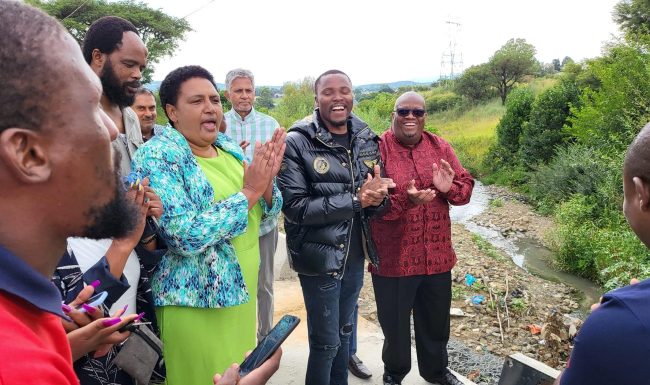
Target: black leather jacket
319	180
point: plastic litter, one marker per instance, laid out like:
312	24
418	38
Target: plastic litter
469	279
477	299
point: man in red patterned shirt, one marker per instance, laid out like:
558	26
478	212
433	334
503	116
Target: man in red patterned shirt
413	239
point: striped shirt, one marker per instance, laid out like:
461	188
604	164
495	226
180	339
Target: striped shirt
255	127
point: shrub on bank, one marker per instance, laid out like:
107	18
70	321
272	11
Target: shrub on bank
598	245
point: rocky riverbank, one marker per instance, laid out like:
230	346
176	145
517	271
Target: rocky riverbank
505	309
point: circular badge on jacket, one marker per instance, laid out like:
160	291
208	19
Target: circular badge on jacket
321	165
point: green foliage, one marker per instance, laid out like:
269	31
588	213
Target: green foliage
476	84
459	292
161	118
574	170
611	115
376	109
496	202
437	102
518	305
225	103
543	133
381	103
589	117
490	251
510	64
160	32
471	152
512	176
297	102
264	98
598	245
518	108
633	16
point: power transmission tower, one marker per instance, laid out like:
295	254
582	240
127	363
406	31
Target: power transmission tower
451	63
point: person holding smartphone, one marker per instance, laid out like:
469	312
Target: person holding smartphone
102	264
57	180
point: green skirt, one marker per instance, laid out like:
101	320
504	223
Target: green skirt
201	342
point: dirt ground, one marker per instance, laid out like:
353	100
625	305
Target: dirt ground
520	312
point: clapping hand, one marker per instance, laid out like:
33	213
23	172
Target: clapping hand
374	189
419	197
443	176
278	141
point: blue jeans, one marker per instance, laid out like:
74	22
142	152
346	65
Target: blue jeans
353	336
330	306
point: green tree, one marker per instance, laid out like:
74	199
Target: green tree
510	64
544	133
225	103
264	98
566	61
160	32
506	150
557	66
476	83
297	102
634	18
614	111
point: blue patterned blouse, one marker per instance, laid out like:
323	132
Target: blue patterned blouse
200	268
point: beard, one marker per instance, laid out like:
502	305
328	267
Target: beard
115	91
118	217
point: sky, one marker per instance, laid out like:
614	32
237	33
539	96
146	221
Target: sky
377	41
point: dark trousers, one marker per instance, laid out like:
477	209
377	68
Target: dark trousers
429	297
330	306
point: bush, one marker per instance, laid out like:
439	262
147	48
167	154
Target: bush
441	101
613	113
598	246
574	170
476	84
543	133
515	177
509	129
470	152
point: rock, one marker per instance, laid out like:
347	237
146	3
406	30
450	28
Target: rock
456	312
573	330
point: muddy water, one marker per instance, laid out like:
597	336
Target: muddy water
526	253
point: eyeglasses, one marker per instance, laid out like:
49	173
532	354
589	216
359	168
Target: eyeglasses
404	112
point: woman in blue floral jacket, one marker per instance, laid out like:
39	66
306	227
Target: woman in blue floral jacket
204	287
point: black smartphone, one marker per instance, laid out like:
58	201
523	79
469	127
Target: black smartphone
269	344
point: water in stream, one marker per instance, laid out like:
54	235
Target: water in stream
525	252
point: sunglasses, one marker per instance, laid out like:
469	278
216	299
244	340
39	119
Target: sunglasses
404	112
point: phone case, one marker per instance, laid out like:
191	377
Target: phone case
269	344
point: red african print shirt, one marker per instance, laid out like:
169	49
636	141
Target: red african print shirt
416	239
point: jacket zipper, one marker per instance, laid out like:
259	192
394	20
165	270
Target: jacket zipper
349	152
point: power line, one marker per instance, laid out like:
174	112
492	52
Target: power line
78	8
198	9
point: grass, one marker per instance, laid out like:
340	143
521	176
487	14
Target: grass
471	132
539	85
496	202
487	248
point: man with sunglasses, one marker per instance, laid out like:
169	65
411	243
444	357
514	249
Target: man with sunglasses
413	240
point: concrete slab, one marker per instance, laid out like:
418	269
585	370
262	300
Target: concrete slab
288	300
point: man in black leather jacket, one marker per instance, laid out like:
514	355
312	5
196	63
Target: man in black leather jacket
331	184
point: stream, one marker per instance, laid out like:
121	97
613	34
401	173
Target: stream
525	252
